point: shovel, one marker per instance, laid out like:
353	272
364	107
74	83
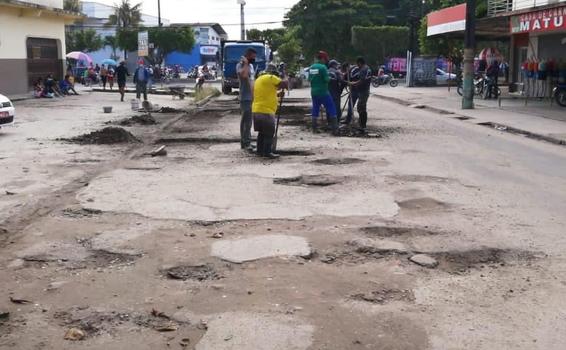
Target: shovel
274	146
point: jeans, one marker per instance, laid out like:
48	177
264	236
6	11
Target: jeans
363	97
264	124
337	100
141	87
354	96
246	124
328	104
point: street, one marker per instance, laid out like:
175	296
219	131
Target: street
431	233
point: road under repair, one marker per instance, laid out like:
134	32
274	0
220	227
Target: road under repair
427	233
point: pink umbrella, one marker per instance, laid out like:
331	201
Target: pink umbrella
79	56
490	54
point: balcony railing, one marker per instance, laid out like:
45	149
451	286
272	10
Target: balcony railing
495	7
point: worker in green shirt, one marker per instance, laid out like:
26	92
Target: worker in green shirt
319	79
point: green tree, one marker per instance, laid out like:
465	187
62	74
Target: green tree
326	24
72	5
83	40
377	43
274	37
290	50
125	15
112	41
167	40
127	39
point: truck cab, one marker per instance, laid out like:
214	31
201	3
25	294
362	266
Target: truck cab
232	52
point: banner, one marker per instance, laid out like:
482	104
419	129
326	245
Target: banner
539	21
143	44
451	19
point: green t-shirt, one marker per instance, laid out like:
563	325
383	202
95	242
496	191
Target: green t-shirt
319	79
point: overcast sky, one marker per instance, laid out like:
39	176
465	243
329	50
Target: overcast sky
225	12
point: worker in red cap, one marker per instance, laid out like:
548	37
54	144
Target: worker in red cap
319	79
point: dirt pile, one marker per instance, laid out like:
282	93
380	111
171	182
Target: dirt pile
143	119
107	136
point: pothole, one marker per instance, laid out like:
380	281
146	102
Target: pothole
143	119
384	296
95	323
170	110
463	261
104	258
424	203
338	161
107	136
369	133
81	213
359	252
192	272
202	140
294	152
387	231
309	180
463	118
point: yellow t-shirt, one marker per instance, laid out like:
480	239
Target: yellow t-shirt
265	94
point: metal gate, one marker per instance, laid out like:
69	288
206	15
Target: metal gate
43	59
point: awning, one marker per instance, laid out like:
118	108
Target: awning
451	19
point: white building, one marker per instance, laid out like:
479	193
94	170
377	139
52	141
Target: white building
32	42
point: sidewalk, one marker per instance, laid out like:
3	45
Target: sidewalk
537	119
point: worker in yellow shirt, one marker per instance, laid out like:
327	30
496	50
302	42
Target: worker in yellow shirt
266	90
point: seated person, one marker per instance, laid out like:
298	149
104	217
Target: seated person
66	85
38	88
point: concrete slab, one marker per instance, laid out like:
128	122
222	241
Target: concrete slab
254	248
193	194
245	331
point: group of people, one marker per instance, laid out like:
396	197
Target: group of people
329	79
51	87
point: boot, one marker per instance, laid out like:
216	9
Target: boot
260	145
268	153
334	126
315	129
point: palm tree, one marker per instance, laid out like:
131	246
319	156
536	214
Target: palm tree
125	15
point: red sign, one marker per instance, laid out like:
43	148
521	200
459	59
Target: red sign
451	19
539	21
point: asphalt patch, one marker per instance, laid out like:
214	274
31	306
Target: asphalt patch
198	140
387	231
369	133
384	296
309	180
338	161
81	213
107	136
170	110
196	273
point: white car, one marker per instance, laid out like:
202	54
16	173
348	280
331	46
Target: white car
443	77
7	111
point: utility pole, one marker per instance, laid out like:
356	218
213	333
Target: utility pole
242	19
469	54
159	13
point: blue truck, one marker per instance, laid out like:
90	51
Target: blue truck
232	52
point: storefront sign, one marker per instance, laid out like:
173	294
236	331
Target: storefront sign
539	21
451	19
208	50
143	44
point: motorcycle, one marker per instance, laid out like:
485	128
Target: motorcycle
479	86
559	93
384	80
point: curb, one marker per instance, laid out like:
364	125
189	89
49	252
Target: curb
496	126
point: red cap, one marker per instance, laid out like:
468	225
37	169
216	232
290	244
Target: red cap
323	55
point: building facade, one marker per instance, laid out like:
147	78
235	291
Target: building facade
208	37
537	30
32	42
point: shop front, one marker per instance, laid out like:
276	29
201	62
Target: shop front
539	50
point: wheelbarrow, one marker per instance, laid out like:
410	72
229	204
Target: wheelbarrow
177	91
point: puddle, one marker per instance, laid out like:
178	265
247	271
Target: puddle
309	180
386	231
424	203
384	296
196	273
338	161
107	136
